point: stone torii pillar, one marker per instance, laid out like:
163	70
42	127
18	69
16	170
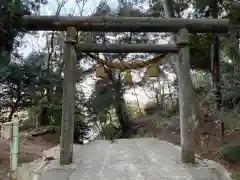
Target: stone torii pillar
68	101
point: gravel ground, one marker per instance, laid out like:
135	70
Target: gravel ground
127	159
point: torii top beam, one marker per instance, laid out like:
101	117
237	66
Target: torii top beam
124	24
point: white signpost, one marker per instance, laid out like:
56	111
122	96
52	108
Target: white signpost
10	131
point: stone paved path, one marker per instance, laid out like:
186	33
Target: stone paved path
132	159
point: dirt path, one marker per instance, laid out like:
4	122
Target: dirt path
30	148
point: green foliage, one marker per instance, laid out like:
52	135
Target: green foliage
22	80
200	51
24	83
11	13
102	97
81	129
205	8
231	152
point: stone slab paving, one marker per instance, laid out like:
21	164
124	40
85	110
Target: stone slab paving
127	159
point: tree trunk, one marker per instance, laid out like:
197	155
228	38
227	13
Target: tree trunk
138	103
120	106
216	60
234	41
55	100
32	117
216	70
31	114
14	107
45	116
10	116
122	115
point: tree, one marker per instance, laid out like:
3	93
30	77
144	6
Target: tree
11	13
22	83
11	33
113	88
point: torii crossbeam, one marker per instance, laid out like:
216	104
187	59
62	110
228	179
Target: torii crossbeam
124	24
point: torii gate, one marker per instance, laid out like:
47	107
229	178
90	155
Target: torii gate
124	24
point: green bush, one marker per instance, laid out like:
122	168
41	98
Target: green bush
231	152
